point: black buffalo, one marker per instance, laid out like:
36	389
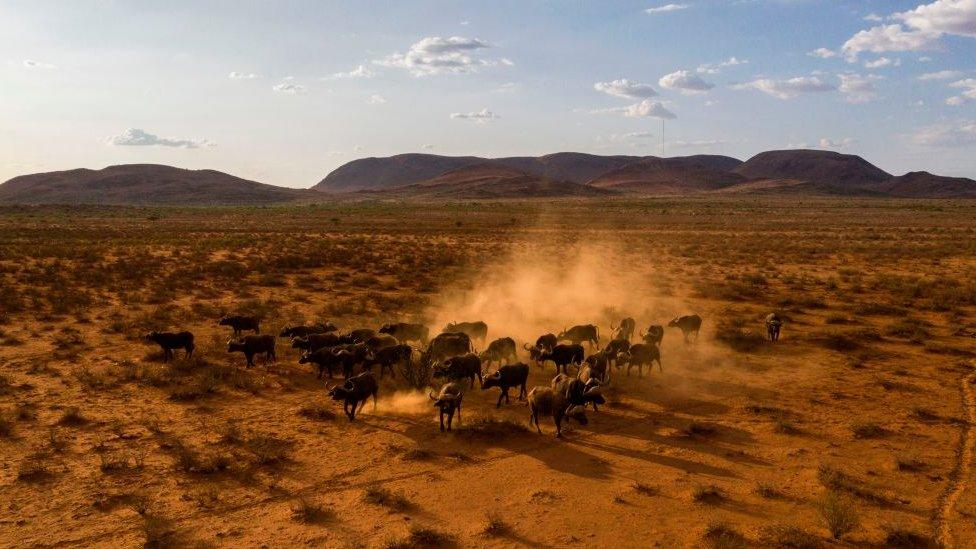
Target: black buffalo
168	341
477	331
640	355
355	392
448	401
501	349
625	330
405	332
446	345
508	376
460	367
578	334
654	335
241	323
388	357
773	325
688	325
563	355
302	331
252	345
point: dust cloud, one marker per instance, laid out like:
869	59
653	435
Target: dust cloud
405	403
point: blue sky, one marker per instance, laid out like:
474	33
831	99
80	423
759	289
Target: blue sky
285	91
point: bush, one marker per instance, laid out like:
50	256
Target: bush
738	336
839	513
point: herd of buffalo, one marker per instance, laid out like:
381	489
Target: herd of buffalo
451	355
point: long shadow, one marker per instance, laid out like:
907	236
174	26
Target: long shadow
667	461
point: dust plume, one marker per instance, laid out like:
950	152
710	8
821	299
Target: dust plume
405	402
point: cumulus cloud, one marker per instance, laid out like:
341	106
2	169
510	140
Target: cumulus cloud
889	38
873	17
478	117
438	55
790	88
626	89
968	87
859	88
35	64
940	75
882	62
134	137
362	71
242	75
827	143
667	8
644	109
943	17
822	53
289	88
958	134
715	68
685	81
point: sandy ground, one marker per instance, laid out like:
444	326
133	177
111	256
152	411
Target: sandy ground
726	447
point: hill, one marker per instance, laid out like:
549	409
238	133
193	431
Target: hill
846	172
390	172
487	180
926	185
679	175
144	184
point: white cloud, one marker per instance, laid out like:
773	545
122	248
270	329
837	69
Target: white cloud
362	71
790	88
645	108
697	144
686	81
943	17
958	134
289	88
859	88
426	146
822	53
376	99
639	135
873	17
882	62
479	117
134	137
242	75
940	75
626	89
437	55
715	68
889	38
667	8
968	94
35	64
826	143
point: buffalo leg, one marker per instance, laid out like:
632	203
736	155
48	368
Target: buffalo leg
442	420
500	395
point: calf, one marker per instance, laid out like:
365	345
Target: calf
688	325
405	332
460	367
640	355
168	341
448	401
314	342
240	323
501	349
578	334
477	331
508	376
355	392
773	325
252	345
563	356
389	357
302	331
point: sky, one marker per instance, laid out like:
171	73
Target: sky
284	92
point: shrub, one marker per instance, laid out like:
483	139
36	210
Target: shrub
310	512
738	336
719	535
839	513
378	495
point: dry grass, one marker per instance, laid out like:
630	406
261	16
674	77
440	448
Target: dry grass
839	512
378	495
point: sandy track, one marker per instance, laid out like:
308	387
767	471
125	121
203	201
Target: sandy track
963	467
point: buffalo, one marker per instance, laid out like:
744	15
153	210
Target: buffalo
302	331
546	342
324	360
773	325
252	345
626	329
355	392
380	341
563	355
448	401
578	334
405	332
241	323
168	341
564	400
477	331
596	366
314	342
460	367
614	348
388	357
654	335
359	335
446	345
640	355
688	325
501	349
506	377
